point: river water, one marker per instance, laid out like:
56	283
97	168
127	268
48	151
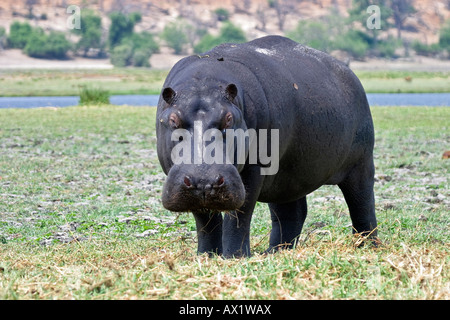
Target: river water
375	99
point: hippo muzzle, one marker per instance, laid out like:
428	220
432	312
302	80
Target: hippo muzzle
191	187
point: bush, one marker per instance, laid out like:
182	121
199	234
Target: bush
232	34
40	45
206	43
175	36
140	58
93	96
121	55
121	26
425	50
134	50
386	48
313	34
444	36
229	33
353	42
222	14
90	32
19	33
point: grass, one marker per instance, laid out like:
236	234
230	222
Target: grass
80	217
67	82
93	96
404	81
149	81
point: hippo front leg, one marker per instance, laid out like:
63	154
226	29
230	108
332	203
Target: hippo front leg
236	224
209	232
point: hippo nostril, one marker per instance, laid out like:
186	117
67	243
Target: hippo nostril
219	181
187	181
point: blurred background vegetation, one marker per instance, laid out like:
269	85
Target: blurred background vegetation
113	33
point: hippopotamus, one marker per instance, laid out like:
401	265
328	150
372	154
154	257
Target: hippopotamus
314	106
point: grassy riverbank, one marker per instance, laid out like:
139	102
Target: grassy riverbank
80	217
146	81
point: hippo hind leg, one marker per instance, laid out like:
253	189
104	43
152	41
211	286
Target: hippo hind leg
287	223
357	188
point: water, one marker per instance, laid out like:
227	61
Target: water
375	99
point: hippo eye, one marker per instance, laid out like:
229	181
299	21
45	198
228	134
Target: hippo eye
174	121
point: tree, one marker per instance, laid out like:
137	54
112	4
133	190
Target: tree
444	36
401	9
90	32
282	8
175	36
19	34
358	13
121	26
229	33
314	34
41	45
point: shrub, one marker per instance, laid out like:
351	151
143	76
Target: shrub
140	58
121	26
229	33
121	55
134	50
232	34
19	34
93	96
40	45
425	50
353	42
222	14
206	43
90	32
386	48
313	34
174	36
444	36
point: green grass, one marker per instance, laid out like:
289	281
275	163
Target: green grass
404	81
67	82
80	217
148	81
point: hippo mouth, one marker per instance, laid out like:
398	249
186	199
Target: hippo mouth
193	188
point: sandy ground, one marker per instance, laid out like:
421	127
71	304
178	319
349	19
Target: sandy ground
15	59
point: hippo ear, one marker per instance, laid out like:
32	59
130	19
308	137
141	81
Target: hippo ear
231	91
168	94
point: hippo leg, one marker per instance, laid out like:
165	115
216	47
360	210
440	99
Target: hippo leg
287	223
357	188
236	224
209	232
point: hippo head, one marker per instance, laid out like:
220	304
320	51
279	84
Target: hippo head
192	127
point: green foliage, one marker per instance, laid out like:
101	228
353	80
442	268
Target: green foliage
207	42
386	48
121	26
41	45
424	49
313	34
353	42
175	36
93	96
126	46
90	32
121	55
19	33
232	34
134	50
444	36
229	33
140	58
222	14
